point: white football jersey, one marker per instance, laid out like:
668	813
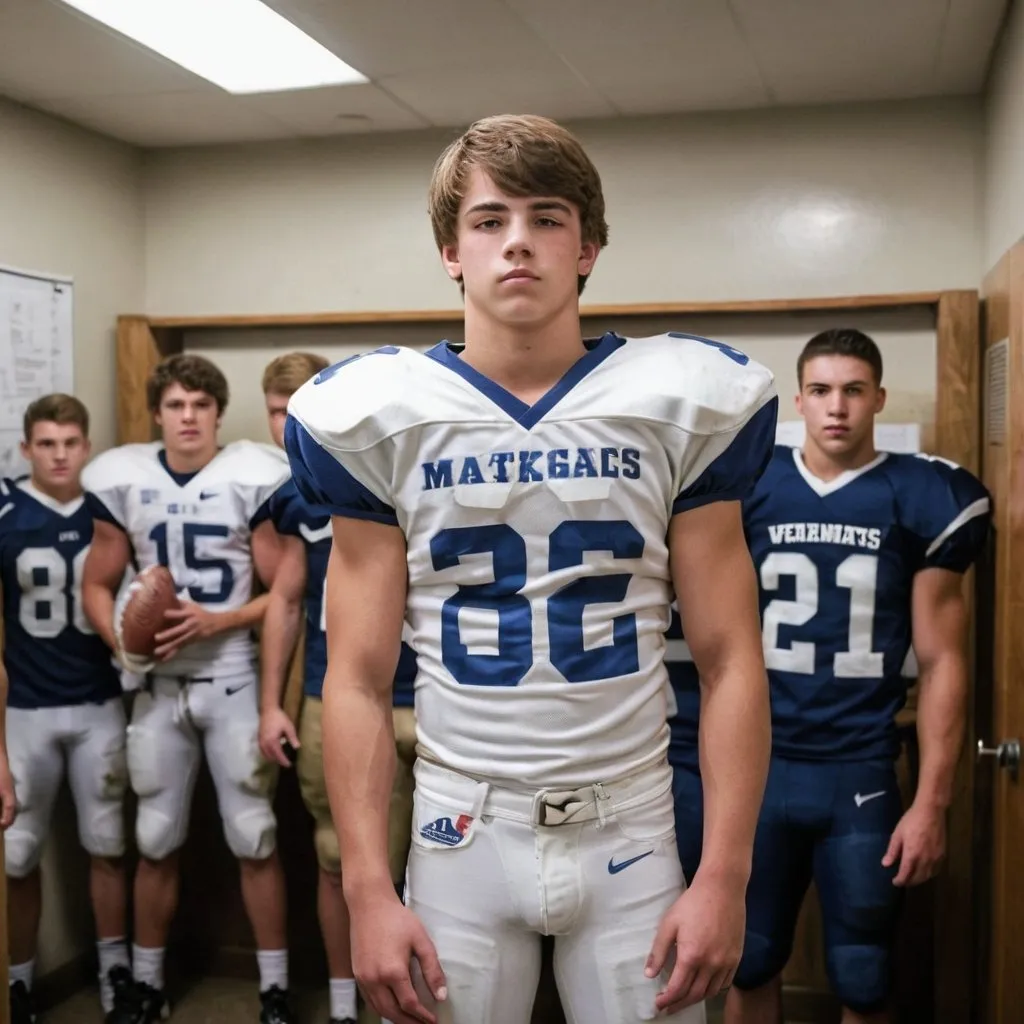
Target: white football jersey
200	528
539	581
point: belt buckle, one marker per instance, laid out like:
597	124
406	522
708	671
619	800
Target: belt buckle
542	803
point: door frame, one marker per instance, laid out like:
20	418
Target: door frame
142	341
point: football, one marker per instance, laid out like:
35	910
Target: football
150	596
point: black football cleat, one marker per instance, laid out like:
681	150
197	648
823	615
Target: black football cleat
274	1007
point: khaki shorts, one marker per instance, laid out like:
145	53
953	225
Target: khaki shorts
310	767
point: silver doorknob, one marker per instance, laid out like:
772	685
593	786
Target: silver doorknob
1007	755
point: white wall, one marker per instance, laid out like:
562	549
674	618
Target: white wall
825	201
1004	144
71	203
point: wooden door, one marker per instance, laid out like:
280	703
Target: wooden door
1002	977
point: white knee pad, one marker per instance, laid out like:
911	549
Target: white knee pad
247	783
101	799
23	845
161	823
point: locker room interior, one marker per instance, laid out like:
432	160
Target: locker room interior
789	167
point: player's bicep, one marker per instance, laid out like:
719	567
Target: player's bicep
267	547
715	586
108	558
365	593
939	616
290	570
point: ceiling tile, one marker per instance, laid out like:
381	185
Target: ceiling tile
968	40
833	50
450	97
390	37
338	109
171	119
622	50
48	50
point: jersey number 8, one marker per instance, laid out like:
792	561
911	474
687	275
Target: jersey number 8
48	604
514	652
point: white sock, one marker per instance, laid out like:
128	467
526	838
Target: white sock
148	966
112	953
273	964
343	998
23	973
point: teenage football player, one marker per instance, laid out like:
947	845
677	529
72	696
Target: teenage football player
526	503
188	504
860	554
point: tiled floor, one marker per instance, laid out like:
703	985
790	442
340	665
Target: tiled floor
213	1001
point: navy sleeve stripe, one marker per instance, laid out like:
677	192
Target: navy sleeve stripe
323	480
101	512
975	509
732	475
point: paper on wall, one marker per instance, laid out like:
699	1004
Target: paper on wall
889	437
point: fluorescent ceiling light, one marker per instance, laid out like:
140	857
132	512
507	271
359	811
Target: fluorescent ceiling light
241	45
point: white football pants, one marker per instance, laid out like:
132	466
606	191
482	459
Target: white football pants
491	869
92	739
171	724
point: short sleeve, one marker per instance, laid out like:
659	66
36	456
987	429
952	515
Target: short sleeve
741	457
106	490
949	512
323	477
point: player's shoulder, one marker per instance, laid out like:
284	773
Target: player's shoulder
250	464
119	466
915	475
718	385
355	403
12	505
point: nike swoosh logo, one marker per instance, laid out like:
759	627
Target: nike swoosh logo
229	690
861	800
614	869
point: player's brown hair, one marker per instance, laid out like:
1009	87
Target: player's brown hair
524	155
286	374
56	408
841	341
193	373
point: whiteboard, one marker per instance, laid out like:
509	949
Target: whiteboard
36	351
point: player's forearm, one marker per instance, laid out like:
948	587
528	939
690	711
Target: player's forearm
735	744
277	644
98	603
248	616
941	711
359	766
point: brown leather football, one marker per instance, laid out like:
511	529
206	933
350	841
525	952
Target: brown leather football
150	596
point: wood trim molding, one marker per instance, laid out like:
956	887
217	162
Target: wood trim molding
422	316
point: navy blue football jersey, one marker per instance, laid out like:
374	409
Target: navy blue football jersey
52	655
836	563
293	515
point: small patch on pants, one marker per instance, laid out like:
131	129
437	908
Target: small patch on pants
447	831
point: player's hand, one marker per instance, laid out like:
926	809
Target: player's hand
706	926
185	625
8	805
919	843
386	937
276	726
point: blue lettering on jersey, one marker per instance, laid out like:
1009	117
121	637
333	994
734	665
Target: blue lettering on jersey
52	655
525	466
567	546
